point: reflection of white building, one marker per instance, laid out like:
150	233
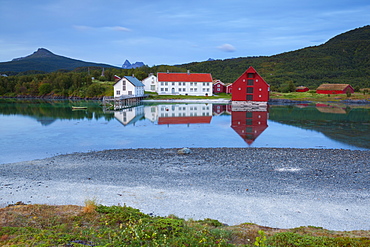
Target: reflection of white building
184	114
130	115
151	83
151	112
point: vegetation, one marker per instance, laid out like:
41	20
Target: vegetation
98	225
343	59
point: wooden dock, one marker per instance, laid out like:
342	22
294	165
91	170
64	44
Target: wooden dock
122	102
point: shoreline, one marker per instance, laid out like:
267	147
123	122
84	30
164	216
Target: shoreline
275	187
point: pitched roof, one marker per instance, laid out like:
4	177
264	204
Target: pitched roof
184	120
301	87
332	86
184	77
135	81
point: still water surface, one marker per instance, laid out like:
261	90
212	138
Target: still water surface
33	129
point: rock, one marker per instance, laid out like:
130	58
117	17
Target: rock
184	151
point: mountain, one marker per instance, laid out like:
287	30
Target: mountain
344	58
128	65
46	61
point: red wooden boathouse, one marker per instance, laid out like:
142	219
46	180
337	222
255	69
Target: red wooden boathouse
250	87
334	89
302	89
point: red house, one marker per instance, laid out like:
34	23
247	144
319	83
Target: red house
229	88
249	124
250	87
334	89
218	87
302	89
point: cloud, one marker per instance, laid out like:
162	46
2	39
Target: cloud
114	28
119	29
227	48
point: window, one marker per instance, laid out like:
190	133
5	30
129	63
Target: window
173	83
162	89
118	92
152	87
250	82
129	92
249	114
124	85
250	75
249	97
249	89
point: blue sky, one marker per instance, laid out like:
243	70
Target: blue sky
172	32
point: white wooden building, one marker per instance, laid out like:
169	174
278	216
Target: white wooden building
194	84
128	86
151	83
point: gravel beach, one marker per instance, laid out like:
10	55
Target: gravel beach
274	187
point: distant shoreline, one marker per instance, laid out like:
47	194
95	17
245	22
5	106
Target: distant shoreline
272	101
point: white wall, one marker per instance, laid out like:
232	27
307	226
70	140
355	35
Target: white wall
151	83
183	88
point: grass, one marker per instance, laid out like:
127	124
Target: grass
298	96
313	96
168	97
98	225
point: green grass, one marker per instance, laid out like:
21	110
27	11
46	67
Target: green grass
167	97
313	96
97	225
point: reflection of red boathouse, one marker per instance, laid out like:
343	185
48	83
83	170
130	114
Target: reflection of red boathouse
249	124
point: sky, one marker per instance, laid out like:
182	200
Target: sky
172	31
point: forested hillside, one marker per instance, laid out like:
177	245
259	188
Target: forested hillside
343	59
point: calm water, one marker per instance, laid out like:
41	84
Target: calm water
36	129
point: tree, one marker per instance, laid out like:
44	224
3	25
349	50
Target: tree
94	90
45	88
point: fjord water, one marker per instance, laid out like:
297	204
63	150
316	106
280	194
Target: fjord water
34	129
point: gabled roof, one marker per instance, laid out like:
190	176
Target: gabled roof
135	81
218	81
332	87
184	77
184	120
251	70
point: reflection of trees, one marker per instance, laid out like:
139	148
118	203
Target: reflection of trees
62	109
351	126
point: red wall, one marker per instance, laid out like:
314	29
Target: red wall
335	91
250	86
219	88
302	90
